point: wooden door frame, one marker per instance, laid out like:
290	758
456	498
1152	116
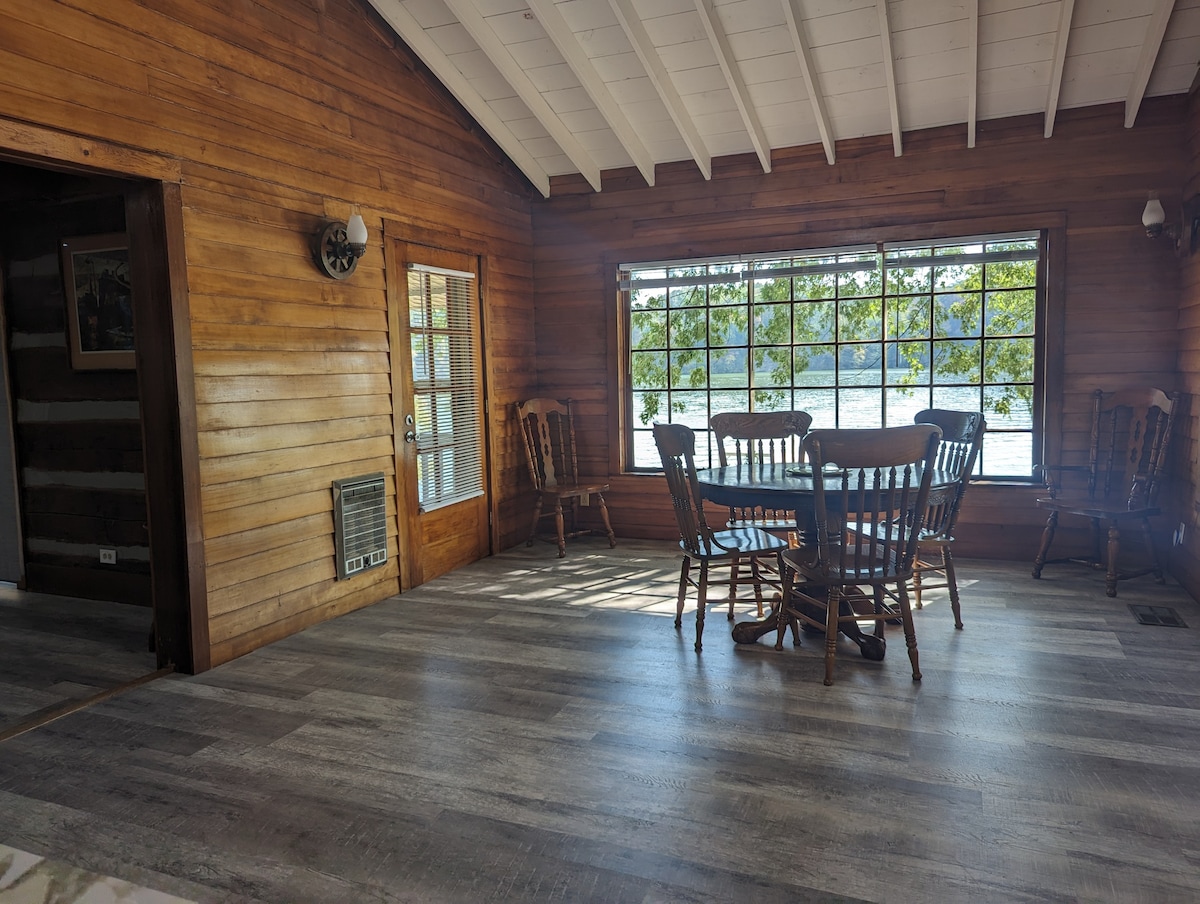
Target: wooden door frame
166	387
396	233
10	414
167	394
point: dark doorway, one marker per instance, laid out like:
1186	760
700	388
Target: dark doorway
77	614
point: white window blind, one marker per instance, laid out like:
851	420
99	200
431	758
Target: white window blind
446	385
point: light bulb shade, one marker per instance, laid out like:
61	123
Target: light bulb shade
356	230
1153	215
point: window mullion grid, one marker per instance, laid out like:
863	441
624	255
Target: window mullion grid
919	345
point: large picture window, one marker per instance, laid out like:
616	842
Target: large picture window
857	337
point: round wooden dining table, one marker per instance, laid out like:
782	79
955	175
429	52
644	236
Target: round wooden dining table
790	487
786	487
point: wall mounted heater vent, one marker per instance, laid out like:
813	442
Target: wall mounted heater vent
360	524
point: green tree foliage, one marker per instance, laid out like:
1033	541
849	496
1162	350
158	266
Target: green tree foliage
962	322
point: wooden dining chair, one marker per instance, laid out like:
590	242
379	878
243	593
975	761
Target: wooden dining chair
881	482
548	428
745	439
705	549
1119	484
962	438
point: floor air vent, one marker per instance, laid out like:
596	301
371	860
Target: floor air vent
1157	615
360	524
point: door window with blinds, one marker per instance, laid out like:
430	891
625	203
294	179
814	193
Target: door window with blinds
447	391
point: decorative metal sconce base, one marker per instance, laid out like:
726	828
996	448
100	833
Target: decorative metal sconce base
332	254
1189	242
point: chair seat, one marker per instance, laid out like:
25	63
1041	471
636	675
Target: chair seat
740	541
1094	508
887	532
871	572
580	489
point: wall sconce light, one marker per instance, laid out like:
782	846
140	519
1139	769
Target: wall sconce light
337	246
1183	235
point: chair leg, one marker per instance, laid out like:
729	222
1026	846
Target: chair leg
756	576
910	631
832	609
683	584
917	584
558	526
1114	548
733	583
880	609
612	538
783	616
1152	549
537	515
573	525
784	595
952	584
1047	538
1098	555
701	602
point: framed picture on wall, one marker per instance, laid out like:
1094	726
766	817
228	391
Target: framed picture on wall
99	296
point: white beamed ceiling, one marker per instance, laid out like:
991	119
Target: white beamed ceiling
583	86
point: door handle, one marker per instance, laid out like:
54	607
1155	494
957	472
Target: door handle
410	436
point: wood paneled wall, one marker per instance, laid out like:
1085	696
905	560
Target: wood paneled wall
278	115
77	433
1114	293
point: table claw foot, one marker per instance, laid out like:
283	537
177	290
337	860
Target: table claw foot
751	631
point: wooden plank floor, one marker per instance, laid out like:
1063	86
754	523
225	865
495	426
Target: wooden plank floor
56	649
532	729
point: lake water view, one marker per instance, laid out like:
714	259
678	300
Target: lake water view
1004	454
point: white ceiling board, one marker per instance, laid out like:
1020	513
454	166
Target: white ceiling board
906	15
1026	22
452	38
684	57
1108	56
748	15
751	45
681	28
1016	52
428	13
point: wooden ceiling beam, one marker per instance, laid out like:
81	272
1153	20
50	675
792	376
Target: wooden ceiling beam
795	22
889	71
568	45
477	27
635	31
1150	47
1065	13
448	74
972	69
737	87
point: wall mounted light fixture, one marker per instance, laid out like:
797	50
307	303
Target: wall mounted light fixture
1183	235
337	246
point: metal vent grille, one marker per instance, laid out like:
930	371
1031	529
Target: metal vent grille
360	524
1157	615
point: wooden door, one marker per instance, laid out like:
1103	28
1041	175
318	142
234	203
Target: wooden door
442	493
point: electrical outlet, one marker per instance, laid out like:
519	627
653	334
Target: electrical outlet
108	557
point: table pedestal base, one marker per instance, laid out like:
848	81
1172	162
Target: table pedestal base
870	646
